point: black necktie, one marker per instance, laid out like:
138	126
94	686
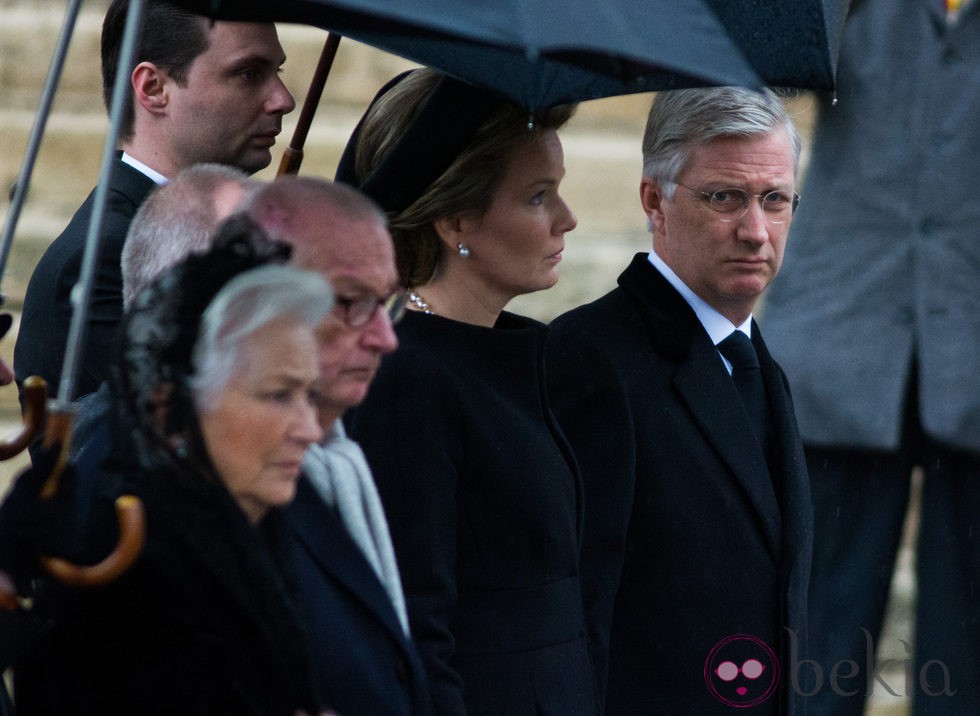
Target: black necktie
740	352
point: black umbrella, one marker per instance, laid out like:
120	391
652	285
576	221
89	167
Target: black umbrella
536	52
790	43
541	52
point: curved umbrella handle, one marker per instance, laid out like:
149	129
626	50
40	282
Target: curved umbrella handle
132	537
129	511
35	395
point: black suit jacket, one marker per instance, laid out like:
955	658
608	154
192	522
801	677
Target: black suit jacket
46	317
363	663
689	539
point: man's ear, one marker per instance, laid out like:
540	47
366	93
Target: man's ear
150	87
652	199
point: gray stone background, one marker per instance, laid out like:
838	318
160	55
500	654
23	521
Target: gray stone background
602	157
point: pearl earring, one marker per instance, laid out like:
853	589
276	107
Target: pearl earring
462	250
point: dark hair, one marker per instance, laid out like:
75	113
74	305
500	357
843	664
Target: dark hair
466	188
171	38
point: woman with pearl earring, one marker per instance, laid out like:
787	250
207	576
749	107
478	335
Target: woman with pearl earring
480	488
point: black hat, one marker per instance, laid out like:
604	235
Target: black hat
441	130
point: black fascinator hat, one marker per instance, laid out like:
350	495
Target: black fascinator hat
444	126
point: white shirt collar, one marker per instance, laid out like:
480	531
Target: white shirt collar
139	166
717	326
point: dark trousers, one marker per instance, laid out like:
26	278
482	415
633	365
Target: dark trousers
860	500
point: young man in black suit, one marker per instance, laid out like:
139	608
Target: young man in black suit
697	542
202	92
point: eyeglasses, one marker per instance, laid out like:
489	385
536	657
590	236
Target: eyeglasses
358	311
733	204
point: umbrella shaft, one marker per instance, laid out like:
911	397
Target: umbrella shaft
37	132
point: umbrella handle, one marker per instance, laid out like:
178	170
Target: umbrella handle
292	158
129	512
35	395
132	537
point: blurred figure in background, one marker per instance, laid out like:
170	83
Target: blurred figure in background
876	318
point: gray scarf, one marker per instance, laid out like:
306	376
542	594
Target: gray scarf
339	472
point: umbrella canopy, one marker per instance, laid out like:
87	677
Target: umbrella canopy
538	53
791	43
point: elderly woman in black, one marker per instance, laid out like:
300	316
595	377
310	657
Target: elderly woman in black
479	486
215	395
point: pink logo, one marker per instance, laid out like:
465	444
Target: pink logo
741	671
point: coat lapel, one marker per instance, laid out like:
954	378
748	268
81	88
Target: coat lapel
706	390
331	548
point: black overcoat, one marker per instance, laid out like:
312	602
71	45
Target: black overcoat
688	540
364	664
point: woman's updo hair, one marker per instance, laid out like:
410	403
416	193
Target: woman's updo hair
466	188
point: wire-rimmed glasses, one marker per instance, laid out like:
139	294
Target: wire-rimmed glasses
733	203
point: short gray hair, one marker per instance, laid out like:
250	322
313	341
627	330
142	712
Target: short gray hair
245	304
177	219
680	120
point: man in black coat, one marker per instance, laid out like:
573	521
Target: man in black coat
698	532
348	580
202	92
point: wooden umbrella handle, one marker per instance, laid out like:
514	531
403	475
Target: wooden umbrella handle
292	158
132	537
129	511
35	396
